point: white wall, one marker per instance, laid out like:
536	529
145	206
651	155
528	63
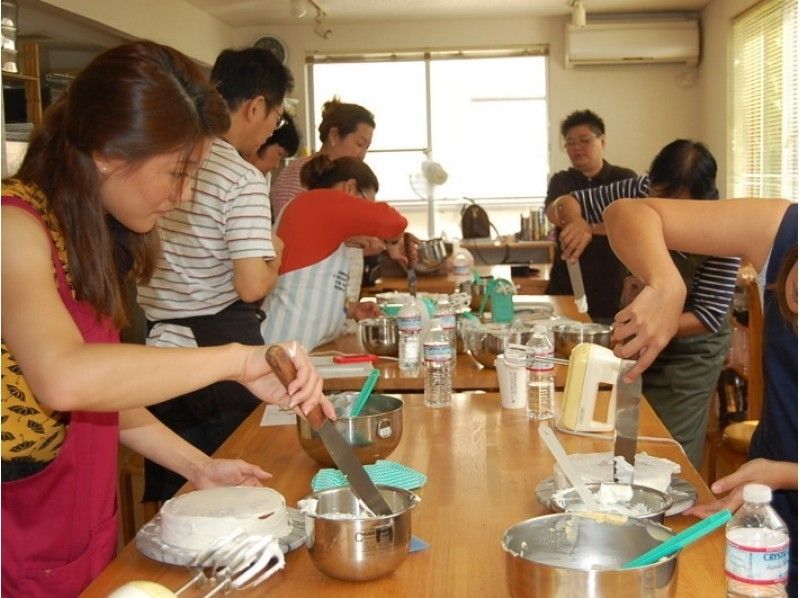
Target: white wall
173	22
715	71
643	106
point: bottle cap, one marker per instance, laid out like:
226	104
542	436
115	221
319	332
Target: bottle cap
758	493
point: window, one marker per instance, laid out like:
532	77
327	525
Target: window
764	95
482	117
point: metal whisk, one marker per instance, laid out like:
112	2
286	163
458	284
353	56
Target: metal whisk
234	562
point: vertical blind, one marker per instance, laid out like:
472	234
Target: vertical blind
764	101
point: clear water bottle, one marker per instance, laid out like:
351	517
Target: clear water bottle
757	547
541	376
409	328
447	319
437	353
461	264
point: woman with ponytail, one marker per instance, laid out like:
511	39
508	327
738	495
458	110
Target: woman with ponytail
309	302
113	154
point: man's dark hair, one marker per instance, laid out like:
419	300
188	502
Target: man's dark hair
286	136
583	117
241	75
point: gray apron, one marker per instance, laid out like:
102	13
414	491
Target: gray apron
679	383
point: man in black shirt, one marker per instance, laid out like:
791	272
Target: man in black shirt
584	139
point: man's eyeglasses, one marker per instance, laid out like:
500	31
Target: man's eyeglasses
281	119
580	141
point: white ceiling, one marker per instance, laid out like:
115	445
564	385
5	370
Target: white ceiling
265	12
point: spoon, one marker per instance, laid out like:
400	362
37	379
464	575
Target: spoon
549	437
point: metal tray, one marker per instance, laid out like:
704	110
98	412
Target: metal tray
683	494
149	543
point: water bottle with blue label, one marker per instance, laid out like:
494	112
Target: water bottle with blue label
409	329
437	354
446	315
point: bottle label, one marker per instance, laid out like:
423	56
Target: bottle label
747	562
461	269
448	321
409	323
437	351
537	365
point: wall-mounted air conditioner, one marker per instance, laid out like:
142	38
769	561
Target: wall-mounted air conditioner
633	42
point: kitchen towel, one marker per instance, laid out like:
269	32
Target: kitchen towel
388	473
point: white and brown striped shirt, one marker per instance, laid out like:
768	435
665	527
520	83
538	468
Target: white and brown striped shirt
227	219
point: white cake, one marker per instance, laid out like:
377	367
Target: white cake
653	472
195	520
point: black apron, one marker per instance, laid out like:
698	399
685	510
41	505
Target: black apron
207	416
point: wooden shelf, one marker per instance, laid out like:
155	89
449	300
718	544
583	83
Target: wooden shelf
19	77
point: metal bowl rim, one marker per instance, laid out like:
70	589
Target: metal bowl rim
555	516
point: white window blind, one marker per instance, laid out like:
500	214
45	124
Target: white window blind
764	94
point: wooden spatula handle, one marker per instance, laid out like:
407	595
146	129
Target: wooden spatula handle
284	369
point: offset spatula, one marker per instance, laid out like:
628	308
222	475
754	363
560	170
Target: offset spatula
341	452
575	275
410	272
626	422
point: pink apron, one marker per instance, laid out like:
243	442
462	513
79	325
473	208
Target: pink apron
59	526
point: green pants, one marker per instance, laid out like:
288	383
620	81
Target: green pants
679	385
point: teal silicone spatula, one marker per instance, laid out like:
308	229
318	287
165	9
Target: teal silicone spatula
366	390
678	541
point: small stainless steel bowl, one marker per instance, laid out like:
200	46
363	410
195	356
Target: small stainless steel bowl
570	555
379	336
359	549
373	435
654	503
431	254
566	336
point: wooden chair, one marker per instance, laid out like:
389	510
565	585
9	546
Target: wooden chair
132	467
731	444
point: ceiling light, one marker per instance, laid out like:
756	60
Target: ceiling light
578	13
320	25
298	8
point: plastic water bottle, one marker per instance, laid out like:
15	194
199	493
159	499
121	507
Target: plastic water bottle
409	327
541	376
437	353
447	319
461	264
757	547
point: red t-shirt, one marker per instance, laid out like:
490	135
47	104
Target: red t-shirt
315	223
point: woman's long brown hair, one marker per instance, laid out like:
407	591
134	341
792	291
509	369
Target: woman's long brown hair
132	102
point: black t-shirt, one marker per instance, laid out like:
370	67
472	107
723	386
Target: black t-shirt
602	272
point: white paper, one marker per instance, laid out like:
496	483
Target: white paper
275	416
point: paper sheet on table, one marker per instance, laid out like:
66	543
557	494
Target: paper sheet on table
274	416
327	369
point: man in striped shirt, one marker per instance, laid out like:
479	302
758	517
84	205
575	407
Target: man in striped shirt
679	383
219	258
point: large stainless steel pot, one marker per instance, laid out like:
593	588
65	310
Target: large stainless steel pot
566	555
431	254
373	435
358	549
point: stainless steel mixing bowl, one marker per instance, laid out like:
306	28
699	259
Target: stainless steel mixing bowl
373	435
570	555
379	336
566	336
486	341
359	549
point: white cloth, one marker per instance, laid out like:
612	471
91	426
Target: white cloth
307	305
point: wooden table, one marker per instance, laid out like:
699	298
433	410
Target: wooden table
467	375
483	464
533	283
